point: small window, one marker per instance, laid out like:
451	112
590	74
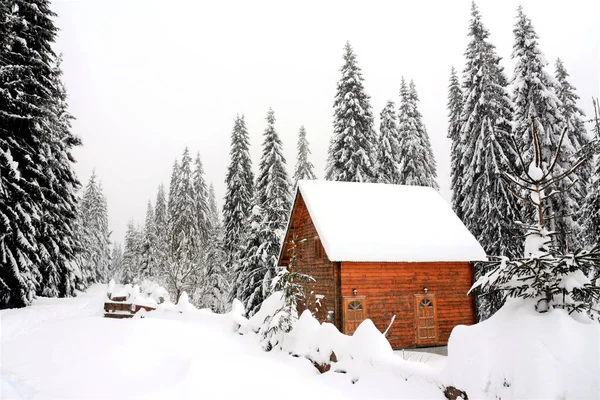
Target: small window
355	305
425	303
318	248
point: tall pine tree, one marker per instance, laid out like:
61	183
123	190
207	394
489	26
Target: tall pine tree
389	146
352	153
488	209
37	183
577	136
589	214
239	193
272	203
535	101
215	286
96	234
132	255
161	227
417	164
304	168
148	268
455	106
200	192
185	258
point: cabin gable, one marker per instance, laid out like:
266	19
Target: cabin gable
313	262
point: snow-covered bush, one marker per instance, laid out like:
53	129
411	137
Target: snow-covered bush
279	312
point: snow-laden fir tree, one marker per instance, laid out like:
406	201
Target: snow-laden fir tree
455	106
304	168
589	214
173	184
96	234
132	255
116	261
148	267
535	99
56	232
37	184
200	192
352	155
488	209
389	146
215	285
417	163
269	216
184	263
576	134
239	192
161	227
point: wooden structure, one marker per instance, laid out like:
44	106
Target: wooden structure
119	308
425	287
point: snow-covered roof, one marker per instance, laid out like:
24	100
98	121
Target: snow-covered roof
386	223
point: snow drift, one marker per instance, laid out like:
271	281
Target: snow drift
521	354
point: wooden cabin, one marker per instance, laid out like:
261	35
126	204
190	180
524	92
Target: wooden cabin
378	250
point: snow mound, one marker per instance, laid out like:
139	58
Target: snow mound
521	354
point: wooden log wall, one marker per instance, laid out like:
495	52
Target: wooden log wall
390	289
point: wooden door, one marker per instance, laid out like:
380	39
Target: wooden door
355	312
426	321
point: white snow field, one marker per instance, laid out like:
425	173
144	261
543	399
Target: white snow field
65	349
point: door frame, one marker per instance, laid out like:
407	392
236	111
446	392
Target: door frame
418	298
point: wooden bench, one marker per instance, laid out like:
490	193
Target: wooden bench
123	310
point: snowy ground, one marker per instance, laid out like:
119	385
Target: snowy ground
65	349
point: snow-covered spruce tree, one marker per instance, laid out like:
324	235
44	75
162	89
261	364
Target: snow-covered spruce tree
148	256
96	235
116	261
292	285
589	214
184	263
269	216
304	168
215	286
200	192
552	278
131	263
488	208
576	133
455	106
534	96
352	153
239	192
417	164
389	146
56	232
173	185
37	184
161	228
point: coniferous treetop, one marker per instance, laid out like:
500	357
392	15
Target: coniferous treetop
352	153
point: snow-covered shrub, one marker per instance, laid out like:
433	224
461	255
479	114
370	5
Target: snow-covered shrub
280	313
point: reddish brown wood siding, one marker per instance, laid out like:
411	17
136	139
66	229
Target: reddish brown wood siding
390	289
325	272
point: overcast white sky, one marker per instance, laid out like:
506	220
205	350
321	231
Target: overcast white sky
147	78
